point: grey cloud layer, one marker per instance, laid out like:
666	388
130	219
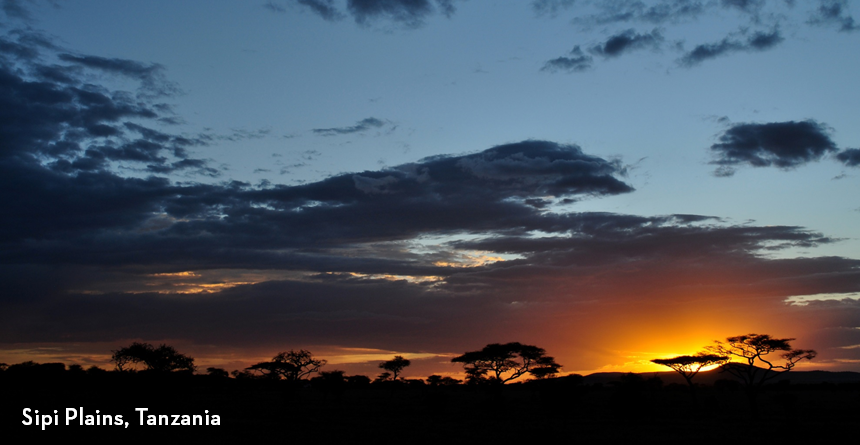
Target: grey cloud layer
480	192
619	259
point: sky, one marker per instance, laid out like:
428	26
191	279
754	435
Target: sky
612	181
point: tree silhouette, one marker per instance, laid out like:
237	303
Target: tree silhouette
394	366
217	372
161	359
754	366
292	365
507	362
690	365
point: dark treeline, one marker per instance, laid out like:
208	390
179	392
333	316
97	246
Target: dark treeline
293	396
335	408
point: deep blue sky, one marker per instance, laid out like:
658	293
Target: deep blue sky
250	177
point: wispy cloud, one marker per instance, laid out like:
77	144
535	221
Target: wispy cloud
627	41
575	61
758	41
360	126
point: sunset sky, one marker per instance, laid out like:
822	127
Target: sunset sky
613	181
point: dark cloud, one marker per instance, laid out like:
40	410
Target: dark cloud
628	41
410	13
779	144
575	61
488	191
850	157
758	41
62	134
361	126
834	13
761	41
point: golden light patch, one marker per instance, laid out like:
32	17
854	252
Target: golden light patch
175	274
190	282
409	278
803	300
475	259
208	288
369	357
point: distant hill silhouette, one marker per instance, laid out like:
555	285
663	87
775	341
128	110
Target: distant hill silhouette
709	377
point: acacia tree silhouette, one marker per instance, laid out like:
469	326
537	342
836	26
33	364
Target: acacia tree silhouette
500	359
394	366
690	365
161	359
217	372
755	367
292	365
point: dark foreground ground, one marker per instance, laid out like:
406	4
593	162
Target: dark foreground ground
556	411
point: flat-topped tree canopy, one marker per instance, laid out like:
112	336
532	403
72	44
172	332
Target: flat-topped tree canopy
500	359
292	365
690	365
161	359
